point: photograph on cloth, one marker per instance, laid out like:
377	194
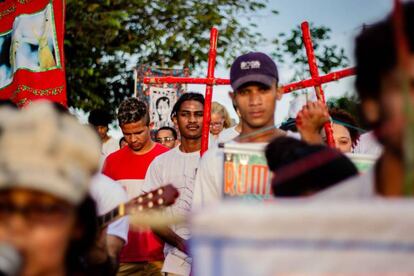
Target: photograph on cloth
162	101
6	73
33	44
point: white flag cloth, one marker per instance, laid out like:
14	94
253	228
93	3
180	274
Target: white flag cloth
302	237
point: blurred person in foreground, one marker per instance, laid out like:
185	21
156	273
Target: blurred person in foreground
380	87
45	170
108	195
300	169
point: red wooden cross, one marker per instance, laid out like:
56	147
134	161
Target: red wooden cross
315	81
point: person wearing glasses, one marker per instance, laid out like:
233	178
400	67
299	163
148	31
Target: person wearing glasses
220	119
166	136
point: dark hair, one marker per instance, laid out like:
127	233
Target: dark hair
132	110
79	249
8	103
60	108
99	117
189	96
289	124
121	140
301	169
376	55
259	84
173	131
5	50
162	99
351	124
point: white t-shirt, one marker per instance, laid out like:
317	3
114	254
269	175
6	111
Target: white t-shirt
227	135
358	187
108	194
180	169
107	148
110	146
209	181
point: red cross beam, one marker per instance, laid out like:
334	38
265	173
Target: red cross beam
313	68
210	81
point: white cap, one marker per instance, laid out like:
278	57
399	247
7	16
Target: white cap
43	150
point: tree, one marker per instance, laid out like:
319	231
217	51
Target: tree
105	38
351	104
290	49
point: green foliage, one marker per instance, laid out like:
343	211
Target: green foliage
290	49
350	103
105	38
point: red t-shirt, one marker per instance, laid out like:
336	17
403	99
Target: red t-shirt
129	170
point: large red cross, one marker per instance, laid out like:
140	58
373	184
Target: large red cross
316	81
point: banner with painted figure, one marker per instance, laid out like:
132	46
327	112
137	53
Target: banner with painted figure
31	51
246	174
161	103
160	97
304	237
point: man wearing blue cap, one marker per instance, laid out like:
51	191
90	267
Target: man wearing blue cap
254	79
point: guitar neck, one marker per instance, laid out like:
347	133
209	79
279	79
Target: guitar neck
161	197
112	215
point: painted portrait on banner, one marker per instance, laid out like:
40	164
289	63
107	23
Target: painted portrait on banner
160	97
162	101
33	44
6	70
31	51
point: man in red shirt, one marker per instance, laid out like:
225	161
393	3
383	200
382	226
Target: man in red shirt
143	254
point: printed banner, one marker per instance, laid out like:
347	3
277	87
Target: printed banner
160	97
246	174
304	237
31	51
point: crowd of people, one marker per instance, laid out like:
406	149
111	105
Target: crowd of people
58	177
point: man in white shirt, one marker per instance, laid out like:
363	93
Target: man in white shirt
179	167
254	79
387	108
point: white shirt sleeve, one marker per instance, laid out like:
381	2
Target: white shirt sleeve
108	194
209	180
119	228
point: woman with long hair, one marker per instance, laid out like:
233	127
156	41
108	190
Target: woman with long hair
220	119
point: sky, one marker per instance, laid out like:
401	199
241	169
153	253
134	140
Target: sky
345	18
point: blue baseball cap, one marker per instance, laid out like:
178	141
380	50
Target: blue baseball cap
253	67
